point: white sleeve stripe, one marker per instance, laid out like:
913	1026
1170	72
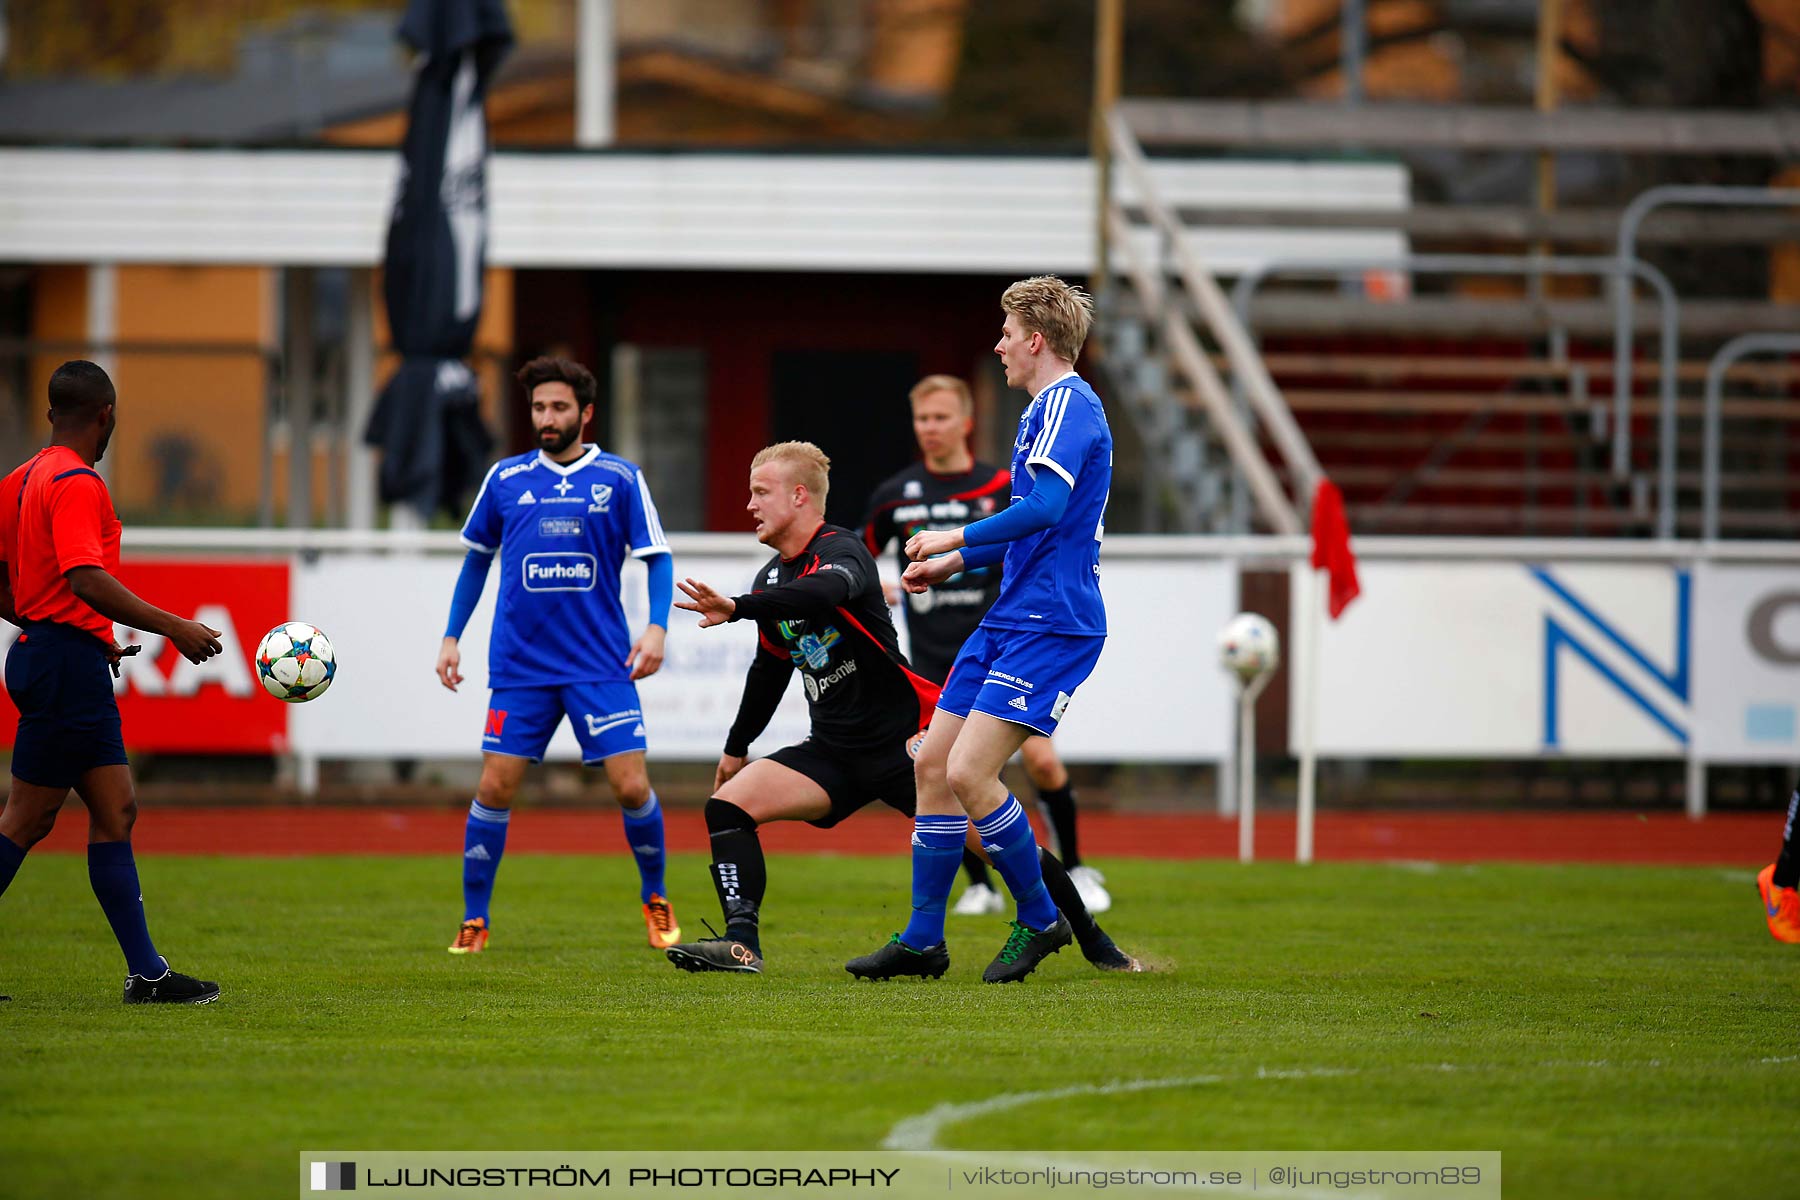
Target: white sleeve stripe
1053	418
1062	410
477	546
650	551
662	538
652	519
1054	466
485	480
1037	443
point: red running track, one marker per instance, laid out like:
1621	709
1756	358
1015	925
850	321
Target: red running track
1737	839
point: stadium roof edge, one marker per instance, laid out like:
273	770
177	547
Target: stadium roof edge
881	213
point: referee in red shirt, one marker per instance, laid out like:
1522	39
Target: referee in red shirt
60	539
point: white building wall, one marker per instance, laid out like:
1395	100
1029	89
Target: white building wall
720	211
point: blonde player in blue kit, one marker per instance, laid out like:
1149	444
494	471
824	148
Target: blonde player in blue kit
1018	672
561	519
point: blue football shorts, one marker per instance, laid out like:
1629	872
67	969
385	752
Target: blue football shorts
68	720
606	716
1019	675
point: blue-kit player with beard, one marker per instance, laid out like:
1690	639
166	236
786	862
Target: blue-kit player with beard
562	519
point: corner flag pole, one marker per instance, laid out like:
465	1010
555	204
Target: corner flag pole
1246	765
1335	589
1312	609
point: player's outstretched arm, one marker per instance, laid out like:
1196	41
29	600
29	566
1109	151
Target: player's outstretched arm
97	589
817	594
714	609
1041	508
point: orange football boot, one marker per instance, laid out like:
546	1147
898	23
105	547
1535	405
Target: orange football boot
471	938
659	922
1780	905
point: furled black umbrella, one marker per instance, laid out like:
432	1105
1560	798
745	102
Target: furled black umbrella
427	421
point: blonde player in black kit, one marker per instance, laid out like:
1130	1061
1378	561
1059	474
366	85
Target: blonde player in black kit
948	489
819	610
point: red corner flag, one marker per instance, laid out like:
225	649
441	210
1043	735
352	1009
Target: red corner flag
1331	546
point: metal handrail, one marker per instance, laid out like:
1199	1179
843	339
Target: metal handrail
1729	353
1197	365
1224	323
1632	219
1450	264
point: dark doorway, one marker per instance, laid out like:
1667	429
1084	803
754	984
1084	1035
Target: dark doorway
852	405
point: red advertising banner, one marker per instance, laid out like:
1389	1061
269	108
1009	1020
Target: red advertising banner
171	706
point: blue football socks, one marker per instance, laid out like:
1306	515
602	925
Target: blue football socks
937	845
1006	836
484	841
644	834
112	872
12	857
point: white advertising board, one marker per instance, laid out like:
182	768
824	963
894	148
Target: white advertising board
1157	694
1521	659
1747	649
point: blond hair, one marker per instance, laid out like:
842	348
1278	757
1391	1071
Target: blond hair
807	466
944	383
1060	311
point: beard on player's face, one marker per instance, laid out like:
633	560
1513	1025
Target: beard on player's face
555	437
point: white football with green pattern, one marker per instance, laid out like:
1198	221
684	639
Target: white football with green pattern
295	662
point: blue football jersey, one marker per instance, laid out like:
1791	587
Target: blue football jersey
1052	577
562	533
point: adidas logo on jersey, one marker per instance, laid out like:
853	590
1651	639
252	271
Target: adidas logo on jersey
526	497
639	731
479	853
1018	702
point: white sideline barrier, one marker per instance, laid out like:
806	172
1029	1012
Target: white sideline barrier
1665	658
1457	648
1157	695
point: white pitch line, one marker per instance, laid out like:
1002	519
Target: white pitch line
921	1132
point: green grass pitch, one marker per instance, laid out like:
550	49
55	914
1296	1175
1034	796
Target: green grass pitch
1613	1031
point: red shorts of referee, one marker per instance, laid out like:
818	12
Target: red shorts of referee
59	536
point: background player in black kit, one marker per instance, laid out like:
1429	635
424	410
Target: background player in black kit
948	489
818	609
